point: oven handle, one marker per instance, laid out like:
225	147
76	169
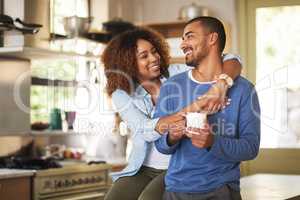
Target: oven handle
88	196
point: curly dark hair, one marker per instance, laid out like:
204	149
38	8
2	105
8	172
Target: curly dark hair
120	63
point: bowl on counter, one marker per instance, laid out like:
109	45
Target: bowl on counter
39	126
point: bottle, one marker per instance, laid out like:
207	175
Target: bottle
65	126
55	119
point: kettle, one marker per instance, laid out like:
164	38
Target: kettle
191	11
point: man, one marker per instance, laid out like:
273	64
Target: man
205	162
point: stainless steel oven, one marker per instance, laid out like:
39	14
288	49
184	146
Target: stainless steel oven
79	182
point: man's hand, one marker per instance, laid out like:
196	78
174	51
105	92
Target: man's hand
176	132
201	138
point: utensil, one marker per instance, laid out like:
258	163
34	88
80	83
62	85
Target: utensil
110	30
191	11
77	26
8	23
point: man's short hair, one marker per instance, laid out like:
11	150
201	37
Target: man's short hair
212	25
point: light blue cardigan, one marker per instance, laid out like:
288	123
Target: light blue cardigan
137	111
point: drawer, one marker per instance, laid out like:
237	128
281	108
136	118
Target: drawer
14	188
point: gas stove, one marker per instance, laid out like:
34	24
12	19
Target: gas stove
80	181
29	163
63	179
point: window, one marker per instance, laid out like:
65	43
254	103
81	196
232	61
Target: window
277	71
66	8
60	42
268	39
53	86
55	82
269	44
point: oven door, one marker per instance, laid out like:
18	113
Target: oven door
79	196
96	196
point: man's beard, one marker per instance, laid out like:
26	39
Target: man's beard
194	62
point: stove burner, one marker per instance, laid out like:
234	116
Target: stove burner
28	163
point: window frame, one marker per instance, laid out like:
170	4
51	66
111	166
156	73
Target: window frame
269	160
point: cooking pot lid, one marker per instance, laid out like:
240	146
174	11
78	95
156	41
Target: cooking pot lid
111	29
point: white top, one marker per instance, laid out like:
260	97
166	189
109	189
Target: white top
155	159
190	75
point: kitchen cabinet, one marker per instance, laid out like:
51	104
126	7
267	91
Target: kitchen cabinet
11	40
41	45
15	188
168	29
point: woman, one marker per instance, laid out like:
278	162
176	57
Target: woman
136	64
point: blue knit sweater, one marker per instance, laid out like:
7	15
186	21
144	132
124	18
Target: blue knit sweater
236	136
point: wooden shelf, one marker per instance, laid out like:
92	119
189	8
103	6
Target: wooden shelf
57	133
48	82
168	29
40	53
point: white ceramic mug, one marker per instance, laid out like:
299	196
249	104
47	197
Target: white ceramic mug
196	120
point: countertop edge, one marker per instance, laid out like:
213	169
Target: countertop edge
13	173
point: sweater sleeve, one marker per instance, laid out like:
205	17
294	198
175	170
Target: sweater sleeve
229	56
246	145
164	107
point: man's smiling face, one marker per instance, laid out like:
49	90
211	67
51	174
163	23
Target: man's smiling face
194	43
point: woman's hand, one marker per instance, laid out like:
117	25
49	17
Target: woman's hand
212	101
172	123
176	132
215	98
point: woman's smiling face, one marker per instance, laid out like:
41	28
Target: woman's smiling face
148	61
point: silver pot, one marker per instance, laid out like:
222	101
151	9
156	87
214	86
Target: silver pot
191	11
77	26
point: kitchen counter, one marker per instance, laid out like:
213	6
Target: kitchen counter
270	187
15	173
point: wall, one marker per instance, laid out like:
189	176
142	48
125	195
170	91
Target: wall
149	11
100	12
11	68
11	144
